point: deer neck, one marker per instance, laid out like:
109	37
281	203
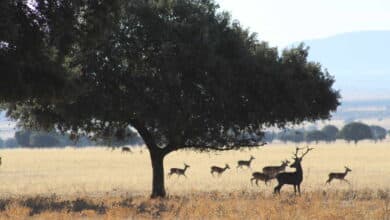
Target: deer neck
346	172
225	168
185	168
299	169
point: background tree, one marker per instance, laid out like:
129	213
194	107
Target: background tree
1	143
330	132
10	143
291	135
356	131
180	73
315	136
378	132
23	137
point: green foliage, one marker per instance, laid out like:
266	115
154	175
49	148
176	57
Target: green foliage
378	132
356	131
182	74
330	132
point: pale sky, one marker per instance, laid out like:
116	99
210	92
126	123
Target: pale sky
281	22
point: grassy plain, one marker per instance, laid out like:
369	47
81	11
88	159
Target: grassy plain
97	183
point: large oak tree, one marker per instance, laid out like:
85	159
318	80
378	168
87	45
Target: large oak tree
179	72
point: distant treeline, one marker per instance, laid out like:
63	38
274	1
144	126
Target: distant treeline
351	132
34	139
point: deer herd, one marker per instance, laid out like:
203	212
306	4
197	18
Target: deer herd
272	172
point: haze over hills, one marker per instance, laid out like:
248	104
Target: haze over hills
358	60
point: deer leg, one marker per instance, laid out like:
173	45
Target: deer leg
257	182
295	189
299	189
347	181
277	188
328	181
184	175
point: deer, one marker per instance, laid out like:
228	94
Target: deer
272	171
247	163
126	150
179	172
219	170
340	176
292	178
260	176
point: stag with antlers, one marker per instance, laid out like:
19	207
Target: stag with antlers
292	178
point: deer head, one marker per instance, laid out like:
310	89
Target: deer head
186	165
227	166
252	158
347	169
297	159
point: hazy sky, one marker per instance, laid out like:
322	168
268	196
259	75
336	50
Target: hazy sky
281	22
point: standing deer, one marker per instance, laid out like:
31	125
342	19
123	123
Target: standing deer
247	163
292	178
126	150
272	171
339	176
179	171
260	176
219	170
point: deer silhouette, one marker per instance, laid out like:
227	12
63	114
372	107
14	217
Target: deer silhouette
219	170
247	163
260	176
179	172
340	176
292	178
272	171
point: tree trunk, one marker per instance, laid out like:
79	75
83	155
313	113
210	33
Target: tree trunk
158	187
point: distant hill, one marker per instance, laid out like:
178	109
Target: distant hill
358	60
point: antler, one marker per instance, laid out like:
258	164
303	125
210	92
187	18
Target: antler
296	152
307	151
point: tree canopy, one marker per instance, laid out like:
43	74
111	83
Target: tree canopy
356	131
179	72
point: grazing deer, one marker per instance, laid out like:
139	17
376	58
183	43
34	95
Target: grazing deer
126	150
247	163
340	176
179	171
219	170
272	171
260	176
292	178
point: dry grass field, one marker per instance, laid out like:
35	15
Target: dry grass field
97	183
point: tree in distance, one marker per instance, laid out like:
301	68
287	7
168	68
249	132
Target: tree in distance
180	72
356	131
378	132
330	132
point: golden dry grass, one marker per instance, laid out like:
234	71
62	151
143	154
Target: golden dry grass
121	182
